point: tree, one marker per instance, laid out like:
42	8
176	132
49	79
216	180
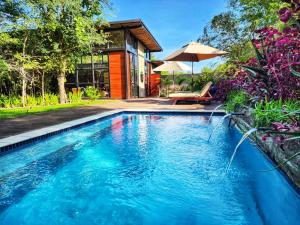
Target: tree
70	28
17	26
232	30
38	36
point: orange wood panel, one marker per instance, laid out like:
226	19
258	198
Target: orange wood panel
154	84
117	75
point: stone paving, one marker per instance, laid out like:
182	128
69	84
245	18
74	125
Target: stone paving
26	123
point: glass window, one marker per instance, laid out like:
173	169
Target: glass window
132	43
116	39
147	54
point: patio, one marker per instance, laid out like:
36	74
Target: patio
26	123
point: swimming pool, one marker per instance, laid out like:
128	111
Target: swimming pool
138	168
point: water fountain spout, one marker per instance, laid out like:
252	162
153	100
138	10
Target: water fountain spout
238	114
218	125
213	112
245	136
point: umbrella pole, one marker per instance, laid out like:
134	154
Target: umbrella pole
173	81
192	76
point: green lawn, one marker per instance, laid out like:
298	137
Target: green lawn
6	113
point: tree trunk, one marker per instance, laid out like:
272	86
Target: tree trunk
43	87
61	88
24	84
61	82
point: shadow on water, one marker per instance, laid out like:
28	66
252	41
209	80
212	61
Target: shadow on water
27	178
15	185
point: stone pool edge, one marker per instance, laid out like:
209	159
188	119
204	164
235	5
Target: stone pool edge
15	141
290	170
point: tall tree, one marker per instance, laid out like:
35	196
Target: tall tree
48	35
232	30
70	28
17	23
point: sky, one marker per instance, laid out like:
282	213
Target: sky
173	23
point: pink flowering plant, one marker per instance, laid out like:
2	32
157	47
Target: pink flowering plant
272	78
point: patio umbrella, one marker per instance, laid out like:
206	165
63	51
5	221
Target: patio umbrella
195	52
173	67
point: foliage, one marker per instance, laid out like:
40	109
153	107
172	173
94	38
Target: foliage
236	99
272	74
165	83
92	93
180	80
216	74
267	113
232	30
45	37
50	99
31	101
75	97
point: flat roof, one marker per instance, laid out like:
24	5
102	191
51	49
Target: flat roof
139	30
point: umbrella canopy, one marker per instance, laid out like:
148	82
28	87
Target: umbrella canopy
173	67
195	52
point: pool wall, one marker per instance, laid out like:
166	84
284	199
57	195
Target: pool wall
275	153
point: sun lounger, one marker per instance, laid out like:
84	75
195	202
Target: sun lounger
202	96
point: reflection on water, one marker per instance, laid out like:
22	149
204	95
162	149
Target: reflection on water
144	169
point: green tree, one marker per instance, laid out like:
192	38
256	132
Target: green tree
232	30
17	26
70	28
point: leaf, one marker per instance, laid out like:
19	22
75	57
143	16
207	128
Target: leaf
260	58
255	70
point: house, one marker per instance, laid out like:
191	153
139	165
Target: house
122	68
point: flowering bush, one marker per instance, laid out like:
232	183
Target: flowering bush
272	78
273	73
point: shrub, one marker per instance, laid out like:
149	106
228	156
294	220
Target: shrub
32	101
92	93
4	101
51	99
236	99
268	112
15	101
75	97
10	101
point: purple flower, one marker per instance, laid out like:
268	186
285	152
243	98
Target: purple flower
285	14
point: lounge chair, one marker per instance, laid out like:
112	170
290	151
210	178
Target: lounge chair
202	96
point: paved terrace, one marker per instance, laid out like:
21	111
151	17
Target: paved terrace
26	123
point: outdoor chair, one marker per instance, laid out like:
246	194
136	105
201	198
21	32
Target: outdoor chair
202	96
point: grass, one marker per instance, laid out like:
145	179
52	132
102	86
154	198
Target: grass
8	113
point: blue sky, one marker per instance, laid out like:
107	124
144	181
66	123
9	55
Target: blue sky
172	22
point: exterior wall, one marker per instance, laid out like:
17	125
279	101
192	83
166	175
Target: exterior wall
117	75
141	70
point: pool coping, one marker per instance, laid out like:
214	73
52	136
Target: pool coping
12	142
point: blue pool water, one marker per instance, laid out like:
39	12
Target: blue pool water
144	169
